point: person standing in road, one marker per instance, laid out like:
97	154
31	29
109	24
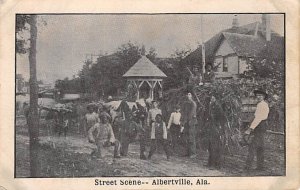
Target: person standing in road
174	126
91	118
152	113
158	136
189	121
140	117
151	117
216	122
258	128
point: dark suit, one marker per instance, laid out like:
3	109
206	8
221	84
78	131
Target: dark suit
189	117
215	130
257	146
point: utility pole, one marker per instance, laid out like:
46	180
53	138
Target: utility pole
33	118
202	47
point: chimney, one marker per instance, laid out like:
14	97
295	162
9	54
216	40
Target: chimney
235	22
266	26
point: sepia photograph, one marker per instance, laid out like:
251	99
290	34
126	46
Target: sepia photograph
150	95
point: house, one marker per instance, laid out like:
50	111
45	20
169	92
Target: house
234	50
229	50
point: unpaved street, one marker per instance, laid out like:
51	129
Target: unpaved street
70	157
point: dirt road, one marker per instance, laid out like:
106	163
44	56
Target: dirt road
70	157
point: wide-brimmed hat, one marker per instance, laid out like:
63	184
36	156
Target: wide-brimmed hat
260	91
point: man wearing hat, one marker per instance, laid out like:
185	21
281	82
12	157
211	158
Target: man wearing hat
258	128
189	121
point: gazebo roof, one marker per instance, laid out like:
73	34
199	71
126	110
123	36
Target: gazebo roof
144	68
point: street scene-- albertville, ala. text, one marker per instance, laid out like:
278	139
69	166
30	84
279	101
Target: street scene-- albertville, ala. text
150	95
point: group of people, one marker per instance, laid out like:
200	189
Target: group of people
144	123
150	128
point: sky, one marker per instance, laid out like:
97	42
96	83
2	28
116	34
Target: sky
64	42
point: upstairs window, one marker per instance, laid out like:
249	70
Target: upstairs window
225	64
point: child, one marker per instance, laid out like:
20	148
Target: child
102	135
152	113
91	118
158	136
174	125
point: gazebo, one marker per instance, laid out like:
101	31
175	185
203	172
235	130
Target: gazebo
145	74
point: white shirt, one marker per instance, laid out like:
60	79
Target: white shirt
152	114
261	113
174	119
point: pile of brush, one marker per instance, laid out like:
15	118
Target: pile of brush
231	95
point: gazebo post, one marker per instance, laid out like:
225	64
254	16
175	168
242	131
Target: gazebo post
151	92
138	94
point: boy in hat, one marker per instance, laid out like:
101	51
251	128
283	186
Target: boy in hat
158	136
258	128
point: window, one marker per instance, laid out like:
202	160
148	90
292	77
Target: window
225	64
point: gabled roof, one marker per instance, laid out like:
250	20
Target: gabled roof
213	43
245	45
144	68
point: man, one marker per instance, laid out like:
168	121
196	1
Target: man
140	118
258	129
102	135
216	121
209	75
128	132
189	121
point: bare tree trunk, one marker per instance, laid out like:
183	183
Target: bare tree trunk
33	119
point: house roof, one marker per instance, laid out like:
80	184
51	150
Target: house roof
245	45
144	68
211	46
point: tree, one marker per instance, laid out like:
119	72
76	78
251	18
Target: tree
105	77
181	73
151	54
33	118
